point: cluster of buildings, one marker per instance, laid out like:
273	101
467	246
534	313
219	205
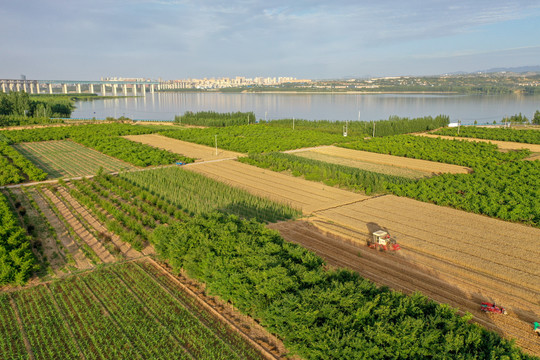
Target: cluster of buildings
225	82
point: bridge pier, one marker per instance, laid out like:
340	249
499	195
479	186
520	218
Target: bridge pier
151	88
50	88
124	87
134	89
114	89
79	89
64	88
143	89
103	93
91	88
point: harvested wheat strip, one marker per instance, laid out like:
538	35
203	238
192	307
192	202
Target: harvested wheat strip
185	148
408	237
391	160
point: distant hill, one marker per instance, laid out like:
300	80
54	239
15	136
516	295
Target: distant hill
520	69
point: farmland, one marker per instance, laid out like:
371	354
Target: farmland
65	158
188	149
147	315
299	193
391	165
94	240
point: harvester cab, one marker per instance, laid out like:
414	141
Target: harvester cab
381	240
537	328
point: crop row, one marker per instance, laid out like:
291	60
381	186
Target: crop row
196	194
212	118
331	174
256	138
111	313
319	313
14	167
105	138
393	126
503	134
17	262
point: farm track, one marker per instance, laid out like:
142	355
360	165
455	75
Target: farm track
81	262
306	195
79	229
400	273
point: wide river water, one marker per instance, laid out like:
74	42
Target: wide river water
366	107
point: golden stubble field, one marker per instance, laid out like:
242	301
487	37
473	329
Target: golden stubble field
196	151
382	163
306	195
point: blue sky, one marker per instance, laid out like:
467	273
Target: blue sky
174	39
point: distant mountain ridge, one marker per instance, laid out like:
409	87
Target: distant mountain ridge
519	69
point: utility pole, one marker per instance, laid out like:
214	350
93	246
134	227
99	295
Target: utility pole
265	113
458	126
373	128
248	119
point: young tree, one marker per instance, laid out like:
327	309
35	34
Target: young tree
536	118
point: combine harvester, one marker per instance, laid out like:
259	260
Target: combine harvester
491	307
382	241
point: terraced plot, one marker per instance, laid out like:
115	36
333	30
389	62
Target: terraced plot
64	158
185	148
299	193
503	145
381	163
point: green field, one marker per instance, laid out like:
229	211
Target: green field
65	158
125	311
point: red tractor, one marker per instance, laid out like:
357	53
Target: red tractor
491	307
382	241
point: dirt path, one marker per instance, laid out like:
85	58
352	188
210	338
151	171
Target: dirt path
400	273
124	247
81	262
79	229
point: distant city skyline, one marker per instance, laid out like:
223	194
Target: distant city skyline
181	39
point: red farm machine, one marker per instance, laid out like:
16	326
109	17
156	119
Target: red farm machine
382	241
492	308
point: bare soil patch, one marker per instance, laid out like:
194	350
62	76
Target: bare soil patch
188	149
306	195
503	145
406	272
382	163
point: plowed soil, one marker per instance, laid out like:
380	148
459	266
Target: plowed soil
306	195
188	149
407	272
383	163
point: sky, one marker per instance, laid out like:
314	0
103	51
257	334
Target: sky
314	39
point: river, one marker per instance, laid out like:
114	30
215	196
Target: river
483	109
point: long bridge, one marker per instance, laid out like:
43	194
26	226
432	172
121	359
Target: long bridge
114	88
